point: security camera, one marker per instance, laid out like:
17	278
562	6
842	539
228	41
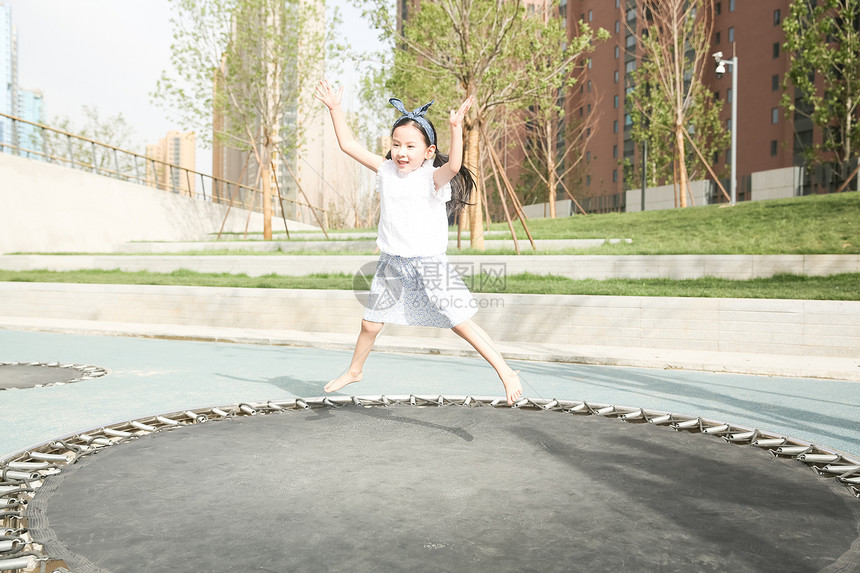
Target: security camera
718	56
721	69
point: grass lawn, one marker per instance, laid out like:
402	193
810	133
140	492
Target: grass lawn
816	224
835	287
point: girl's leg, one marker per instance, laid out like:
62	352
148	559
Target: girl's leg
365	341
481	341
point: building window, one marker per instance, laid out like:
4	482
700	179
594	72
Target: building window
716	38
615	126
729	124
729	95
775	50
588	180
615	101
776	17
617	26
774	83
731	34
590	16
617	52
589	63
615	152
773	148
718	7
581	111
774	115
630	66
731	5
588	86
589	109
631	14
728	157
631	42
627	119
615	176
587	156
617	3
615	76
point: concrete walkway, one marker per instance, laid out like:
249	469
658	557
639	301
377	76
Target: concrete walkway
151	376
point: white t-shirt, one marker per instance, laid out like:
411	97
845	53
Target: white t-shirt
413	221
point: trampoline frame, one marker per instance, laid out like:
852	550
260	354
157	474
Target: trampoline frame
23	473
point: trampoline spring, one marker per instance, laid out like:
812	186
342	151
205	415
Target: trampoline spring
818	458
791	450
467	401
272	406
198	418
851	480
412	400
144	427
167	421
550	405
43	457
302	404
247	409
116	433
497	401
579	408
634	415
328	402
722	428
844	471
741	436
659	420
356	400
6	503
220	412
11	545
34	466
523	402
17	563
687	424
770	442
19	476
93	440
440	401
605	410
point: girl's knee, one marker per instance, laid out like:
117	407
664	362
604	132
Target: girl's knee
372	327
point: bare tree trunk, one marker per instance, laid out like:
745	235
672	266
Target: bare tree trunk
475	211
682	166
550	166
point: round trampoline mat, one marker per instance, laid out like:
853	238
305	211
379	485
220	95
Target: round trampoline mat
18	375
454	488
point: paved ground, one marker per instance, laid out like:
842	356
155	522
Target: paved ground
151	376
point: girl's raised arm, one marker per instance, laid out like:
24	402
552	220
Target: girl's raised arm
345	139
450	169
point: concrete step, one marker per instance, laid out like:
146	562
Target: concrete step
355	245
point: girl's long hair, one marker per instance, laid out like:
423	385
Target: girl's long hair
462	183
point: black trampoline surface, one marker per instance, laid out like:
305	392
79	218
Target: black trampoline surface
452	488
15	376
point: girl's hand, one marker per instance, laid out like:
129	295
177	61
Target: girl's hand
327	95
456	119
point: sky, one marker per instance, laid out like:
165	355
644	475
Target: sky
110	53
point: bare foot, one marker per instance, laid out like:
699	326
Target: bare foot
513	388
342	380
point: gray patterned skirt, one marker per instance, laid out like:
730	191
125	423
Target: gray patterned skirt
418	291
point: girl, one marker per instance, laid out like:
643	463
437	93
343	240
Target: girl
413	283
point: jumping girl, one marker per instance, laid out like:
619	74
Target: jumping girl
418	187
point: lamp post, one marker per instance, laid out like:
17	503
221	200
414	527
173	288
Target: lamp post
720	70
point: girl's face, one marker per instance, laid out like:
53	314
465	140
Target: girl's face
409	149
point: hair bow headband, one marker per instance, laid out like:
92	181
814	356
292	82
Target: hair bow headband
416	114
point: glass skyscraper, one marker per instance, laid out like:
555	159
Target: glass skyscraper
8	75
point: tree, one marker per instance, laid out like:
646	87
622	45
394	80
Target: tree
545	119
669	105
113	131
491	49
823	39
245	65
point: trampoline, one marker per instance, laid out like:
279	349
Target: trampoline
19	375
429	483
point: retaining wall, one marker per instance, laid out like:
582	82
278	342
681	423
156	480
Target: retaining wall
737	267
50	208
788	327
